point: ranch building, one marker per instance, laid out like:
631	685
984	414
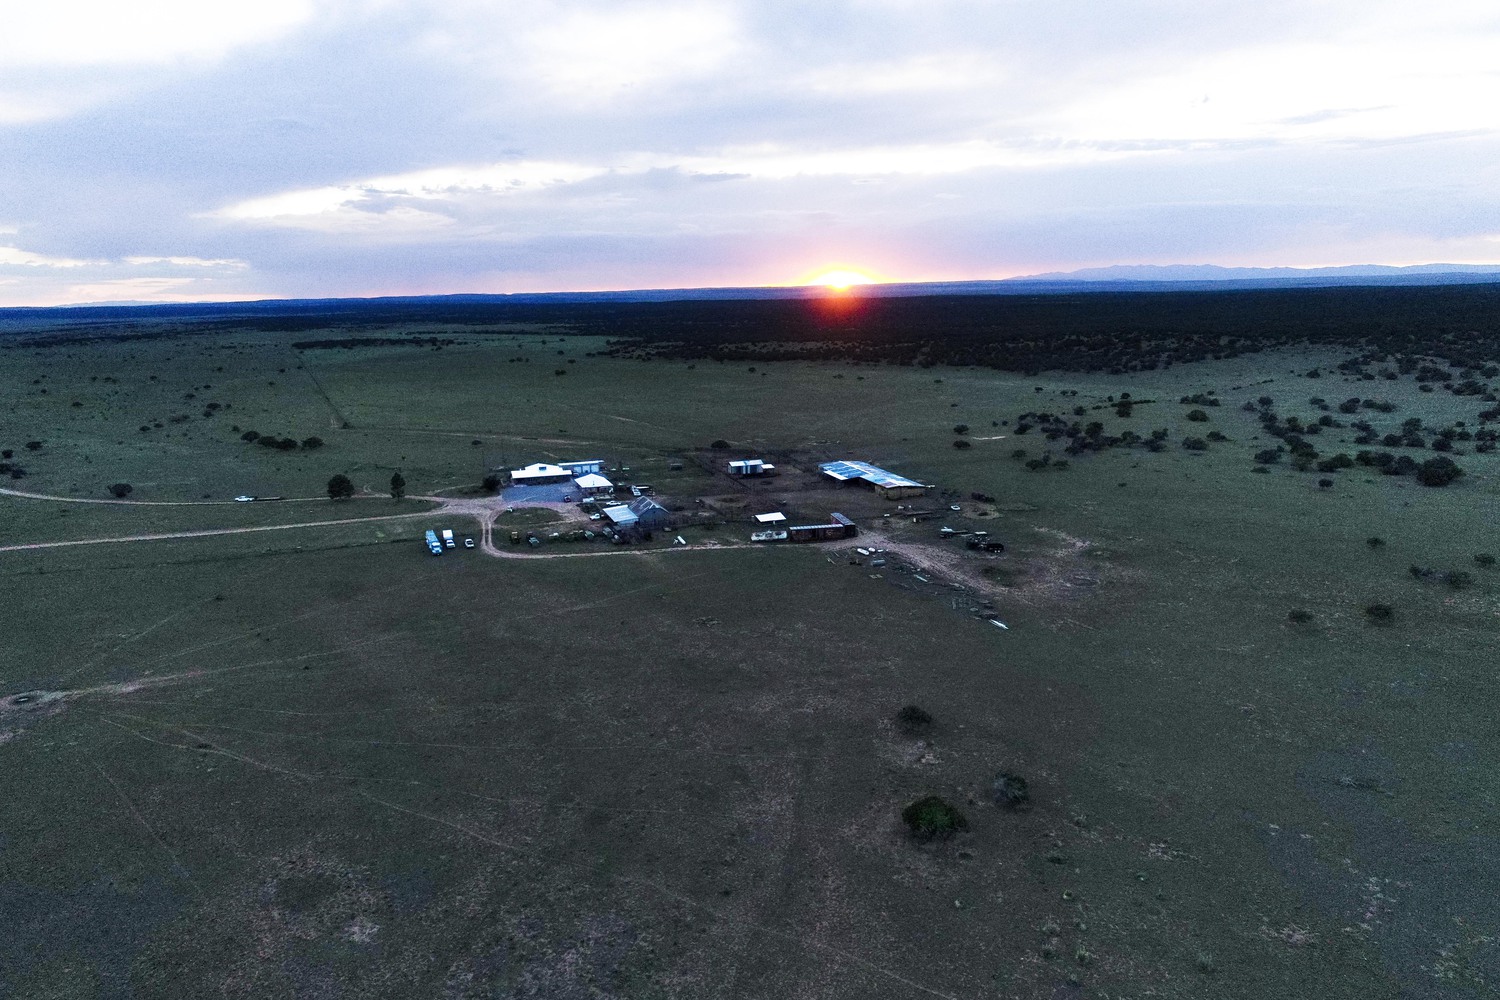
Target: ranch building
887	484
838	526
750	467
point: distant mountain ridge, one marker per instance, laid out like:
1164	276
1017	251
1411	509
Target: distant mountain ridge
1215	272
1116	279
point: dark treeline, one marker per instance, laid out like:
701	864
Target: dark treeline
1090	331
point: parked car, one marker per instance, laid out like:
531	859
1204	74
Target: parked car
244	499
596	517
468	543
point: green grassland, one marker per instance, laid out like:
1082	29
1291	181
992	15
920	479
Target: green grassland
320	762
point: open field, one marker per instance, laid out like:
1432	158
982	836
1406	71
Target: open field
319	762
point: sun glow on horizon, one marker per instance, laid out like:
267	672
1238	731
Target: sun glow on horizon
840	279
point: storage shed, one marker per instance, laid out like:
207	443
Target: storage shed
620	516
593	484
750	467
838	526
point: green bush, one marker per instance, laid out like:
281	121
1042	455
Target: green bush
932	818
340	487
1438	472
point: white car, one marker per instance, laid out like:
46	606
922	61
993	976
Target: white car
596	517
468	543
244	499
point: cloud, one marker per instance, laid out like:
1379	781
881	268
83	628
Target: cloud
370	199
186	262
16	257
605	52
102	32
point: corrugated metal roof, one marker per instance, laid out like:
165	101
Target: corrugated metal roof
845	471
770	518
593	481
539	469
643	505
620	515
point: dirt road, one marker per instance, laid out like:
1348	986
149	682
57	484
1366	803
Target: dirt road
145	503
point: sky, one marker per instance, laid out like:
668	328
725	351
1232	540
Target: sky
176	150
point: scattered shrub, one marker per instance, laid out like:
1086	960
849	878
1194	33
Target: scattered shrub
340	487
1194	444
121	490
1298	616
913	718
398	485
1010	790
492	484
1197	416
719	445
311	443
249	435
33	446
1380	613
1484	560
962	443
960	428
932	818
1375	542
1438	472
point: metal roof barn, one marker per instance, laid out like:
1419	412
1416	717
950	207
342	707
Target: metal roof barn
888	483
650	514
540	472
620	517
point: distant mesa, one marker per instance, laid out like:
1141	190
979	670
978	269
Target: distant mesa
1279	275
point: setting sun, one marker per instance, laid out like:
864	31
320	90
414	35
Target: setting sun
840	279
